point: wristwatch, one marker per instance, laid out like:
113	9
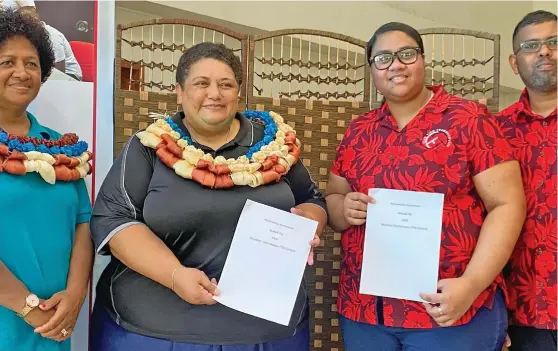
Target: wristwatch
31	301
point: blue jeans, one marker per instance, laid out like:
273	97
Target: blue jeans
485	332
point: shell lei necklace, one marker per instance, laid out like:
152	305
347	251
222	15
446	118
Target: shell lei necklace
65	159
265	162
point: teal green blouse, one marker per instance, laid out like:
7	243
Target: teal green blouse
37	228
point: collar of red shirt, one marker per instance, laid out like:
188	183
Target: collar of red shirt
521	110
433	106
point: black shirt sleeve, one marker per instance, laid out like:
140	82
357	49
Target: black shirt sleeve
119	203
303	186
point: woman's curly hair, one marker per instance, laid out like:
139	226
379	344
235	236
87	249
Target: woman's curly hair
14	24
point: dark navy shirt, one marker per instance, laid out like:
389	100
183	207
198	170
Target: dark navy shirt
198	225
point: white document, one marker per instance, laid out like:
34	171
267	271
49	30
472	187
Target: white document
266	262
402	244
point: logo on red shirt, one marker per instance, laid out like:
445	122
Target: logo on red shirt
435	138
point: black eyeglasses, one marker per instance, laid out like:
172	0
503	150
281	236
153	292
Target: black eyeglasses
532	46
406	56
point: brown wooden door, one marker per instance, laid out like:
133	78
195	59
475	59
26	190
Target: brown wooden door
75	19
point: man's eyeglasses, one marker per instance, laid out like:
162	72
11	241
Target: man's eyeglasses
406	56
532	46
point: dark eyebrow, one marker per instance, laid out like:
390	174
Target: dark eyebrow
390	52
220	80
382	52
537	39
25	58
204	77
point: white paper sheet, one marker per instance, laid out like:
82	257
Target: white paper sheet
266	262
402	244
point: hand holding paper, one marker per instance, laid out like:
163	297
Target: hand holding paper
355	207
194	287
316	241
266	262
402	244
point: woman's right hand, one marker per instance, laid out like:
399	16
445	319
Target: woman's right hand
354	207
194	287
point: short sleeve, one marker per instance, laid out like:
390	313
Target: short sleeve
119	203
303	186
68	53
486	145
340	163
56	43
84	203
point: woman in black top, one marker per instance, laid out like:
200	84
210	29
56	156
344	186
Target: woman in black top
167	218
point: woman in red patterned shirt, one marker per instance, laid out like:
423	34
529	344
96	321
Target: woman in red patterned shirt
424	139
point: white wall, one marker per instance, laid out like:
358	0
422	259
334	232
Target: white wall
551	6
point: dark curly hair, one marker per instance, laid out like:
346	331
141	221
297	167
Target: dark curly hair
208	50
14	24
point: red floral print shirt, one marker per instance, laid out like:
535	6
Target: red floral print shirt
531	281
449	142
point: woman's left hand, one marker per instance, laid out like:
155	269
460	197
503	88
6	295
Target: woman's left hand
67	305
456	297
316	241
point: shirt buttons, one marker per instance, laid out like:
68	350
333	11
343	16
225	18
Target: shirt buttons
542	153
544	123
539	251
539	217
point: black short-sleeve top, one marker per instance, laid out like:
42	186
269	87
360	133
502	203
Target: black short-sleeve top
198	225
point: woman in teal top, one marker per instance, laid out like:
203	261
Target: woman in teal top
45	247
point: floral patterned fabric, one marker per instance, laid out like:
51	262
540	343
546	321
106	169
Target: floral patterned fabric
532	279
449	142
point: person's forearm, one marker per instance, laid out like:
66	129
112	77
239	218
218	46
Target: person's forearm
499	233
317	213
337	220
81	261
141	250
12	291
